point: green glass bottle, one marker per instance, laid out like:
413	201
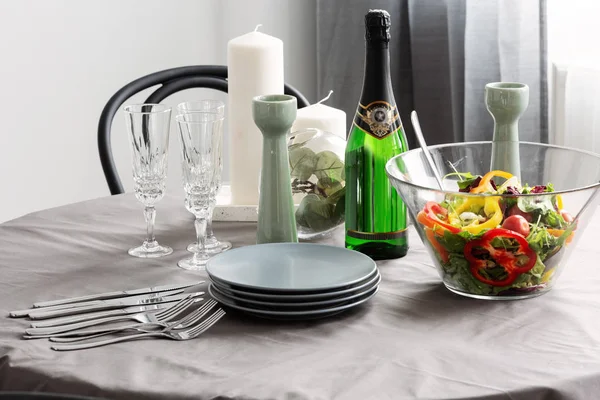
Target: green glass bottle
376	218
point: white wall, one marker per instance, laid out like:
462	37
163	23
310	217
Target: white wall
574	73
61	60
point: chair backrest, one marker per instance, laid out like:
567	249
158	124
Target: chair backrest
171	80
42	396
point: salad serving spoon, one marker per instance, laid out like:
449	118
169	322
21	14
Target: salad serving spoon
419	133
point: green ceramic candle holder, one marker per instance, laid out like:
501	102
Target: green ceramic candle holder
274	115
506	102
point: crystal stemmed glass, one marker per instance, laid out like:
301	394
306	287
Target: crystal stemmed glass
148	130
201	138
212	244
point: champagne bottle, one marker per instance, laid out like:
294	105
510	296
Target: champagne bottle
376	218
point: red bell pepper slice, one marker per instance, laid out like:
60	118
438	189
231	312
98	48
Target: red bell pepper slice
441	250
435	215
499	257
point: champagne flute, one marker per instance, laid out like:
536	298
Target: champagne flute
148	130
212	244
201	139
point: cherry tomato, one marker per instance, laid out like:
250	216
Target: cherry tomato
566	216
518	224
515	210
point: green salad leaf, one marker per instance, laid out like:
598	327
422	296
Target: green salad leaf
531	278
554	219
453	243
466	183
542	207
462	276
462	175
563	238
505	243
538	270
542	242
541	204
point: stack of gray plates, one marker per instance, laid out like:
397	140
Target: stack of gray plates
292	280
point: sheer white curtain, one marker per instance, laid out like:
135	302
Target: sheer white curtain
443	53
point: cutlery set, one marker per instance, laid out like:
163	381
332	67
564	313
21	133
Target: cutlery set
161	311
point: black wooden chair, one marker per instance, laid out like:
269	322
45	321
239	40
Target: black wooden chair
171	80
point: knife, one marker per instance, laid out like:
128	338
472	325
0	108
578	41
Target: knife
78	328
112	295
103	314
99	314
107	305
24	313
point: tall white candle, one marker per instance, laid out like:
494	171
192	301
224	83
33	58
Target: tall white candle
255	67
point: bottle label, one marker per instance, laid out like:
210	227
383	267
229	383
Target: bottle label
377	235
379	119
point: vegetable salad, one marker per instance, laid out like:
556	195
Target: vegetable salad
493	245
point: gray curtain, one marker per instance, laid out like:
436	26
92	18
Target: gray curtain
443	52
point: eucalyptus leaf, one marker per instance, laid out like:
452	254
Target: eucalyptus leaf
329	165
302	163
328	186
335	196
295	146
340	207
316	213
300	220
301	211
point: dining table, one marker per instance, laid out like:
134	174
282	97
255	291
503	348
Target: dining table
414	340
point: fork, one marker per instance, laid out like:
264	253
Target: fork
187	334
182	323
144	317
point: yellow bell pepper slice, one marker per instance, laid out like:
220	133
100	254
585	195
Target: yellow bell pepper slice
547	276
559	232
484	185
559	202
493	211
469	204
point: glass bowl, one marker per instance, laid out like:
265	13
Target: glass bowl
318	181
477	251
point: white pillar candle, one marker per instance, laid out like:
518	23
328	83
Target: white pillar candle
255	67
320	116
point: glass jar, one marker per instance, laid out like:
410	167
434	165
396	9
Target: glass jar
318	181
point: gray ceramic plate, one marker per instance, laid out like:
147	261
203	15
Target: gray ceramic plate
297	294
362	286
294	305
277	313
294	318
290	267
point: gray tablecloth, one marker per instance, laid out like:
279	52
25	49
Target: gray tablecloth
415	339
